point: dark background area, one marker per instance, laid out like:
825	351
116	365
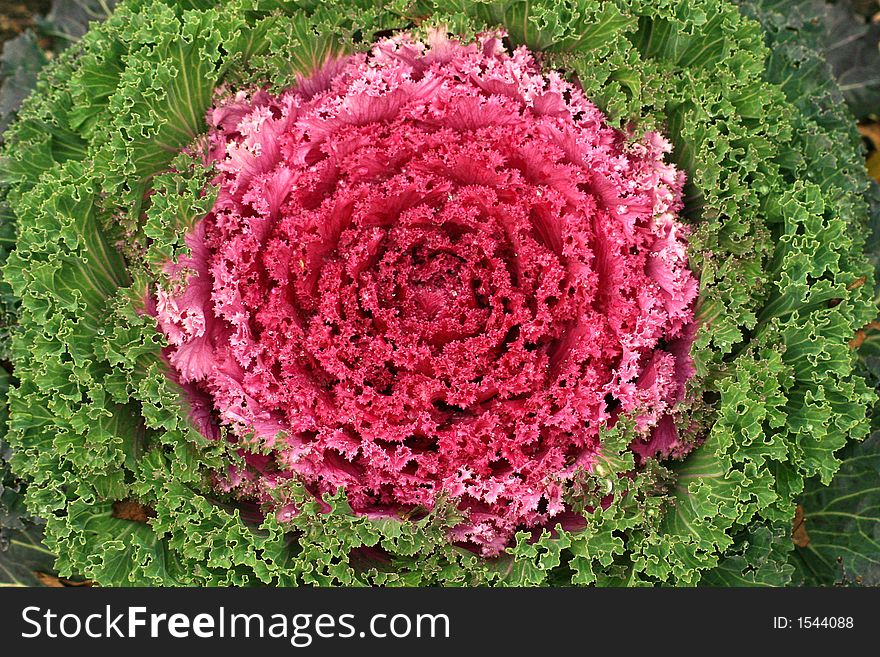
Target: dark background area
16	17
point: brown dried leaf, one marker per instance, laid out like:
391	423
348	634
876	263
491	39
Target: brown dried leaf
872	132
862	334
799	528
55	582
52	581
132	510
861	280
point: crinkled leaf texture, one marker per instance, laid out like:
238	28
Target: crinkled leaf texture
803	35
22	553
103	197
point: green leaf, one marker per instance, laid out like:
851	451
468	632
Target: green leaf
852	46
758	557
22	556
843	521
69	20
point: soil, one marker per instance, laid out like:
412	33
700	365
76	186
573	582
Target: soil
16	17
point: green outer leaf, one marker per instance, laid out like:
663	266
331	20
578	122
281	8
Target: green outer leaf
69	20
851	43
758	558
22	555
798	37
843	521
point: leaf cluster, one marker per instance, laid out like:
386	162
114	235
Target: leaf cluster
101	195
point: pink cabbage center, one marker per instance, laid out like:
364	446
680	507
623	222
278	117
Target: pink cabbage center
431	269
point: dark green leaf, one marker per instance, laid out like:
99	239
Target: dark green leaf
854	56
69	19
22	556
843	521
758	558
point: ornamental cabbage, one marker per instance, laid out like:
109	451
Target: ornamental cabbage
433	293
433	271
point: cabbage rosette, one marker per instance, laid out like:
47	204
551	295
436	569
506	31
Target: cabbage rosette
505	293
432	270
